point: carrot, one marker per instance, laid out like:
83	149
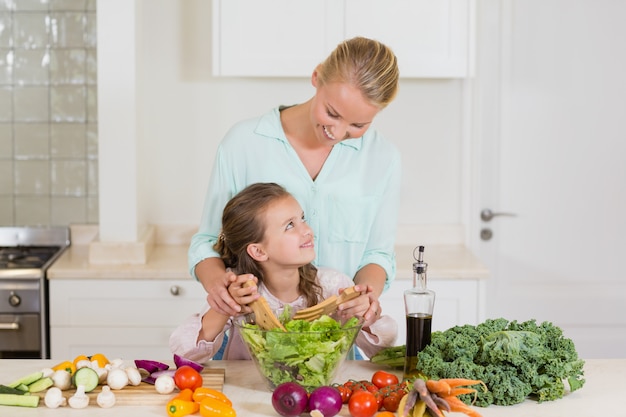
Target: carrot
457	382
419	386
460	391
439	386
458	406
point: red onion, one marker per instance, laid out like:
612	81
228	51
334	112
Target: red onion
326	400
289	399
180	361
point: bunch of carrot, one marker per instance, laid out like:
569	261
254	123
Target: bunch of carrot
433	397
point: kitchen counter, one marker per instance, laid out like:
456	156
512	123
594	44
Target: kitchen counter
245	388
170	262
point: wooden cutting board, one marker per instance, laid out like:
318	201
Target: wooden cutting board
145	394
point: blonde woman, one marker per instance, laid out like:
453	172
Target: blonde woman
343	173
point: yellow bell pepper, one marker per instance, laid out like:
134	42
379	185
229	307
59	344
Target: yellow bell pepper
204	392
65	366
212	407
182	404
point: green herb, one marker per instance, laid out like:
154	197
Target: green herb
515	360
309	352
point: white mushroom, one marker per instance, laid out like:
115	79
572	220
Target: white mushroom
117	378
106	398
79	399
62	379
134	376
47	372
54	398
164	384
102	372
83	363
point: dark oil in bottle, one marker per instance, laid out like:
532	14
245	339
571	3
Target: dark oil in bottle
418	329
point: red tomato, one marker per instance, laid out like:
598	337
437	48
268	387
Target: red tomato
345	393
362	404
187	377
382	379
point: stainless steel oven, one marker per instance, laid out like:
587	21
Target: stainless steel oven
25	255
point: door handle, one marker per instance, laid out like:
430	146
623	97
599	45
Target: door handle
486	215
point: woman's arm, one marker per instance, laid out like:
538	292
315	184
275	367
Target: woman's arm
215	279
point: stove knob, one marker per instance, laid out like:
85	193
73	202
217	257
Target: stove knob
14	299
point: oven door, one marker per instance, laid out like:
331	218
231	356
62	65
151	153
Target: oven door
19	333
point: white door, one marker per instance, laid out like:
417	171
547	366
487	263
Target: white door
549	144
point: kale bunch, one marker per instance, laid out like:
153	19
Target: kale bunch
514	360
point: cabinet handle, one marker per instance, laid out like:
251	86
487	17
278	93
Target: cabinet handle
174	290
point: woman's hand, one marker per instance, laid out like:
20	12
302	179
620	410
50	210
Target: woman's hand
215	279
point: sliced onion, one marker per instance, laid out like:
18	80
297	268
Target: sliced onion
169	372
180	361
151	366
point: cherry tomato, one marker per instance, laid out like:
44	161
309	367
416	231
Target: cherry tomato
362	404
187	377
345	393
382	379
391	401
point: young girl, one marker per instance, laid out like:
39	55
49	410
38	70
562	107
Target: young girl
265	237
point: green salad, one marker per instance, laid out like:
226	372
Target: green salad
308	352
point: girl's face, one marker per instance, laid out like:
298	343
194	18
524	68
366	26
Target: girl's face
339	111
288	239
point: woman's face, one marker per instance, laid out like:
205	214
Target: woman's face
288	239
339	111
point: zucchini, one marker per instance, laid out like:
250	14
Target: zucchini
19	400
86	377
8	390
26	380
41	385
22	387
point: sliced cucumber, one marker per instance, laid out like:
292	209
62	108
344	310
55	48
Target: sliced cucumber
27	380
41	385
19	400
86	377
22	387
8	390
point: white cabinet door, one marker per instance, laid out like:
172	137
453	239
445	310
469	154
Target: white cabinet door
130	319
274	38
284	38
432	39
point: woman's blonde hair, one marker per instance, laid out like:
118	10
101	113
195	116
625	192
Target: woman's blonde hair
243	224
365	63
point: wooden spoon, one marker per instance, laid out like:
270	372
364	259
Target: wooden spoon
327	306
263	314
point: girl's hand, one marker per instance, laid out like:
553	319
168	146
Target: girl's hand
365	305
244	295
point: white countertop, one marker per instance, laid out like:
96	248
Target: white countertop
251	399
170	262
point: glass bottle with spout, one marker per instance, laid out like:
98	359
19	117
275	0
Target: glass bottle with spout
419	303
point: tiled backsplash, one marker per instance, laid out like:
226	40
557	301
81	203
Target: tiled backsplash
48	112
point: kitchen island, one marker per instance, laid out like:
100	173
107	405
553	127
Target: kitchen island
250	397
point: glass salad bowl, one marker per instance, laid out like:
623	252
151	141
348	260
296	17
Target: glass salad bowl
309	353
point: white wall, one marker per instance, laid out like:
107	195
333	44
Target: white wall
185	112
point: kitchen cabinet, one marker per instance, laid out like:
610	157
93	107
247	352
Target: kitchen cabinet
286	38
130	319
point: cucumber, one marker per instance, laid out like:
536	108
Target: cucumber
86	377
22	387
41	385
26	380
19	400
8	390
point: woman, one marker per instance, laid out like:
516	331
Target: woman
265	236
325	153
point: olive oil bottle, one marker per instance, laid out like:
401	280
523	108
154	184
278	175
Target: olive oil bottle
419	303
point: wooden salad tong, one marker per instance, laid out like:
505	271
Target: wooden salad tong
327	306
263	314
